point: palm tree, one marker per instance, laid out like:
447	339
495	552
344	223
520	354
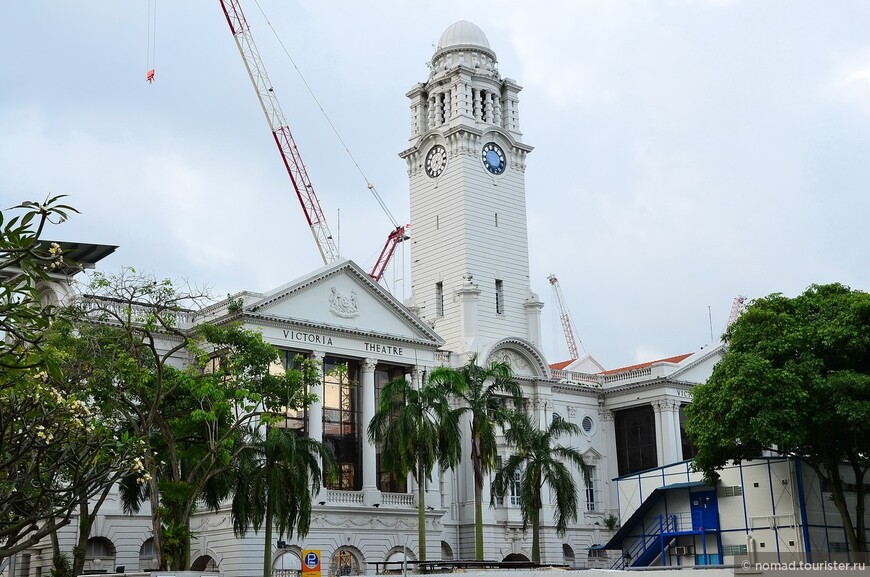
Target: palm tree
484	390
274	483
538	461
416	428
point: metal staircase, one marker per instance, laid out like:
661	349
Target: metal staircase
656	537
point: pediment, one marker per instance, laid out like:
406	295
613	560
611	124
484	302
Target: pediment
523	357
698	367
342	297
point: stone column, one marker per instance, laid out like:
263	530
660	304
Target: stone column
487	107
371	494
433	103
315	414
671	436
661	434
476	94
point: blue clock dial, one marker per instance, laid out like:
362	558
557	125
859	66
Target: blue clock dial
493	157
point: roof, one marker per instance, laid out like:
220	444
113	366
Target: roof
676	359
561	365
85	255
463	33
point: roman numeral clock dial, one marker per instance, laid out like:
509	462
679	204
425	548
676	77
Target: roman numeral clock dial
436	161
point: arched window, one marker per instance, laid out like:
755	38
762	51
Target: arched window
446	551
568	554
205	563
287	564
147	556
99	555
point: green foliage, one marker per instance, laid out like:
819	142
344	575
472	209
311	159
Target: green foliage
25	261
59	444
610	522
61	566
795	380
487	393
540	461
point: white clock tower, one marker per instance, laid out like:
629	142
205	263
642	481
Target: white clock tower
466	164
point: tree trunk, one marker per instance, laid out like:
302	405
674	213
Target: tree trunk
267	546
85	521
536	536
835	484
421	508
478	522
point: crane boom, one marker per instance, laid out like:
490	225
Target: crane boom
280	130
565	318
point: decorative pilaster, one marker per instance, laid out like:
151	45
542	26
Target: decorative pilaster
533	306
468	295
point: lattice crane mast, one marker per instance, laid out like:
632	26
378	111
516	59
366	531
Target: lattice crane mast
737	306
565	317
280	130
289	151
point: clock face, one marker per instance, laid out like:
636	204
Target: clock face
493	158
436	161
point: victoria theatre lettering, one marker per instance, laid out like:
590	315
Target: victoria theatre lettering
304	337
384	349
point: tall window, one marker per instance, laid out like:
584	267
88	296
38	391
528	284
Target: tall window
387	481
341	418
635	439
592	490
439	299
499	297
295	419
514	492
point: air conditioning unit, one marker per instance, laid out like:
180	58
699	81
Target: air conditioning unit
682	550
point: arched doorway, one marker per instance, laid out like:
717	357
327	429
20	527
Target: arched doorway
345	561
99	556
204	563
446	551
568	554
516	558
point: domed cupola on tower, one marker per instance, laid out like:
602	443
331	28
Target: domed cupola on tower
464	44
466	165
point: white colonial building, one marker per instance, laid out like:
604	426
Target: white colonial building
471	295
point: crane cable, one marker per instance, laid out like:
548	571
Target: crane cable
328	120
151	51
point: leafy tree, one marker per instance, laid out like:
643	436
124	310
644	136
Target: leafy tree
795	380
49	426
24	262
485	391
417	428
278	473
275	482
540	461
189	392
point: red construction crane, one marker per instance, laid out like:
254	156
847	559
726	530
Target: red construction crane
565	316
737	306
290	153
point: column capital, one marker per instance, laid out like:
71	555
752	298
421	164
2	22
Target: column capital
368	365
317	355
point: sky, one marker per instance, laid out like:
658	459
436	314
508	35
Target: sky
686	151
